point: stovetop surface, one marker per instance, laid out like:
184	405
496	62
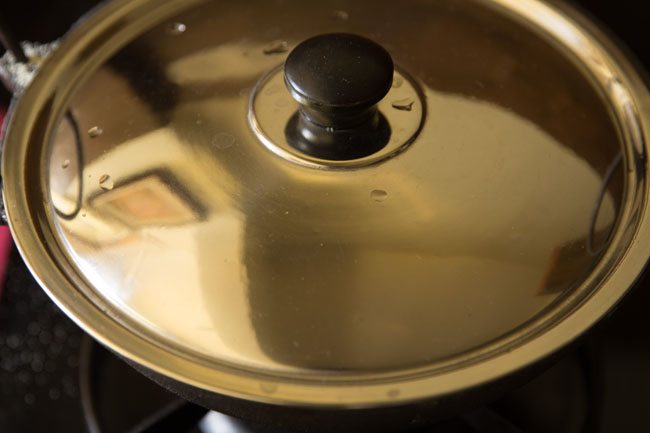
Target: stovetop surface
53	378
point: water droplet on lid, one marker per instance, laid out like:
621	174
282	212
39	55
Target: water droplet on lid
105	182
176	29
341	15
223	140
378	195
95	131
66	163
269	388
276	47
405	104
397	82
30	399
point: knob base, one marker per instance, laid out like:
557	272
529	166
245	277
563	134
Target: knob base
338	144
271	108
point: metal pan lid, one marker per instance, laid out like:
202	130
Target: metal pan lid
425	197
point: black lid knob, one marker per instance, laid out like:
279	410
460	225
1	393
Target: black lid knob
339	72
338	79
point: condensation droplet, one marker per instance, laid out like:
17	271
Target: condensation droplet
95	131
268	388
276	47
341	15
106	182
66	163
223	140
405	104
30	399
397	82
378	195
176	29
393	393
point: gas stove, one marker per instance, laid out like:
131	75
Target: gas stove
53	377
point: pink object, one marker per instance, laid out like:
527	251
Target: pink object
6	241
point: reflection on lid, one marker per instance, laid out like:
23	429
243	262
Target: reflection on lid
148	200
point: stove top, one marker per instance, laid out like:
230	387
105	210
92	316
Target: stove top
55	378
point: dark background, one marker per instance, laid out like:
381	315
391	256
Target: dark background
39	346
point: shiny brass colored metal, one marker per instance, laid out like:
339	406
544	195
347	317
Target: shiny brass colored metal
182	238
